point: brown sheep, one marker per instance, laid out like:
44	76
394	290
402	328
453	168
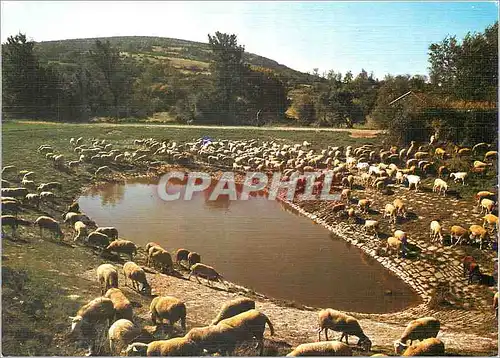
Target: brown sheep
193	258
137	275
206	271
181	255
121	304
45	222
168	308
120	334
233	307
176	347
419	329
364	205
122	247
320	349
107	275
161	259
458	233
348	325
427	347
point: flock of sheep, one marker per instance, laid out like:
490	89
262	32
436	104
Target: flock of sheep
238	320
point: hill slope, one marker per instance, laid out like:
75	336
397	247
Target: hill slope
67	51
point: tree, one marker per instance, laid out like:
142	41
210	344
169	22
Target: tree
226	69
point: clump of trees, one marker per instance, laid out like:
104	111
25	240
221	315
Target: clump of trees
458	100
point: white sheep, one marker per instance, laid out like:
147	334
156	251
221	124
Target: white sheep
436	233
391	212
459	176
487	205
371	225
440	186
45	222
107	275
412	180
80	230
121	334
394	244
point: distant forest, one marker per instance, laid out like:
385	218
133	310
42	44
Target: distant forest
131	78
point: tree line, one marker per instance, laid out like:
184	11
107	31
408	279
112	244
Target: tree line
457	101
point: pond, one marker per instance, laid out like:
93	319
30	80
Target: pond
258	243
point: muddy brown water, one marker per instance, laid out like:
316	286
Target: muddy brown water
258	243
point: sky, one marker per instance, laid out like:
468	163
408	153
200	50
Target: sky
380	37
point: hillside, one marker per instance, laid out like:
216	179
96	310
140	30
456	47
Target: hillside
184	54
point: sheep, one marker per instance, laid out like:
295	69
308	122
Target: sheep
168	308
394	244
492	154
248	325
161	259
478	232
319	349
101	170
340	322
364	205
11	206
137	275
412	180
435	232
459	176
458	233
483	194
234	307
495	304
399	177
13	222
193	258
51	185
348	181
15	192
33	199
48	195
181	255
206	271
99	310
220	339
346	194
418	329
371	225
96	239
121	247
8	168
109	231
72	217
400	207
80	230
121	304
180	346
487	205
427	347
107	275
390	211
467	261
45	222
489	220
440	186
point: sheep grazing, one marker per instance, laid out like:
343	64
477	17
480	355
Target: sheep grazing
45	222
458	233
234	307
419	329
109	231
371	225
107	275
427	347
161	259
321	349
176	347
346	194
490	220
8	168
80	230
33	199
340	322
483	194
99	310
459	176
102	170
400	207
15	192
181	255
168	308
14	222
394	244
97	240
478	233
193	258
121	304
72	217
121	247
487	205
138	277
391	212
206	271
11	206
436	233
364	205
413	180
122	333
440	186
492	154
495	304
